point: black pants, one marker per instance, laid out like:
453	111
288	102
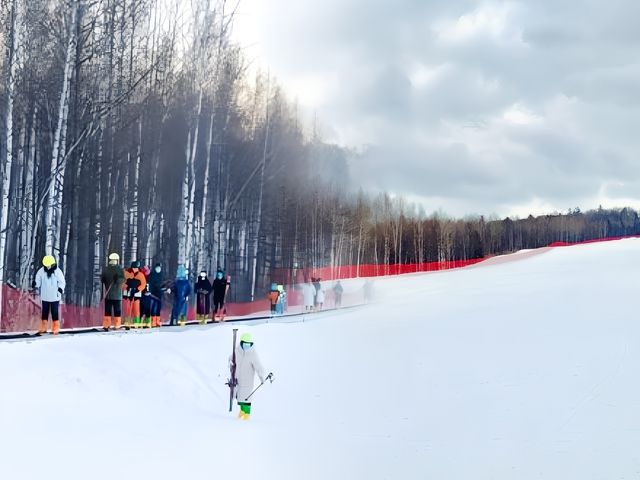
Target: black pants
155	307
218	304
52	308
113	308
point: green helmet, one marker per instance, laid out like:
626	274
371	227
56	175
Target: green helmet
246	338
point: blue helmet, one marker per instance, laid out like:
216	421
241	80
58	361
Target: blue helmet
182	272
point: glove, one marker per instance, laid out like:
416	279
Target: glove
168	290
33	284
60	290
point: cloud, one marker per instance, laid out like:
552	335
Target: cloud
470	106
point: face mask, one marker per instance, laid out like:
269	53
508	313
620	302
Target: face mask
219	276
246	346
158	269
203	276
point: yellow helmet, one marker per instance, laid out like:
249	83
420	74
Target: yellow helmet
48	261
246	338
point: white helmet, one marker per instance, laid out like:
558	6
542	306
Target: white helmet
114	258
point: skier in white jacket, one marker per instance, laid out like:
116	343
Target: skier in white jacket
308	292
50	283
247	367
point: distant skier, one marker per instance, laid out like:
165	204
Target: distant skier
51	284
319	297
309	294
112	280
248	365
181	291
282	300
337	294
156	292
368	290
273	296
220	288
203	290
317	286
134	284
145	300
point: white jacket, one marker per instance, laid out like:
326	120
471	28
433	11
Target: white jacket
247	367
49	285
309	293
320	296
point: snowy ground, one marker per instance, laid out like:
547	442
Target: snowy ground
521	370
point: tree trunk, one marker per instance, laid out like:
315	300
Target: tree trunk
56	180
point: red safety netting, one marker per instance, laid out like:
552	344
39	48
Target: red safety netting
21	310
597	240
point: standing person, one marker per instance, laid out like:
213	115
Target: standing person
203	290
273	296
309	293
145	300
319	297
50	283
220	288
368	290
156	292
337	294
282	300
248	365
317	287
112	280
134	284
181	291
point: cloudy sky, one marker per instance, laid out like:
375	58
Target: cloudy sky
472	107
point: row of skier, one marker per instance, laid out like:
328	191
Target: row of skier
135	293
142	290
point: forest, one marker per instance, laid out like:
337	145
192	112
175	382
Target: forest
140	127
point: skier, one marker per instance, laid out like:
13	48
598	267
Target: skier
112	280
317	286
282	300
134	284
203	290
145	300
368	291
50	283
308	292
247	366
337	294
319	297
156	291
181	291
273	296
220	288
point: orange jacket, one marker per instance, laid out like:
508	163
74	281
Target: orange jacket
273	296
134	283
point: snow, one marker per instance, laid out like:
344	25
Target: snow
519	370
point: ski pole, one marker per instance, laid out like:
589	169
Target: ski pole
232	380
269	377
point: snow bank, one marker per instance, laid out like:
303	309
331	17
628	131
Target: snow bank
519	370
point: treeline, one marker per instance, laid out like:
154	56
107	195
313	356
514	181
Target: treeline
136	127
390	232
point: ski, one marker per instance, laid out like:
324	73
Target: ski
232	382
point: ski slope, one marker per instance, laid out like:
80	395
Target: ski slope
525	369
